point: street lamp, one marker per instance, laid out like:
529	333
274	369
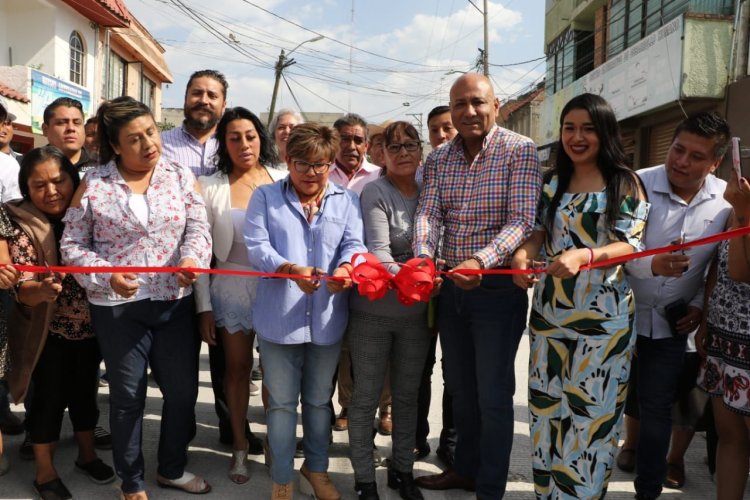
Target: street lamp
282	63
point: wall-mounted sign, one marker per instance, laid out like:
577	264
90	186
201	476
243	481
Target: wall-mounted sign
45	89
638	79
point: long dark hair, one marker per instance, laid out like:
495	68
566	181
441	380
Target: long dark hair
619	178
266	155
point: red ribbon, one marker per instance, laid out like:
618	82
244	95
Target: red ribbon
372	278
413	282
416	282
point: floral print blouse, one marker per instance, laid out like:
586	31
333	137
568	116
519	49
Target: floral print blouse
71	320
104	231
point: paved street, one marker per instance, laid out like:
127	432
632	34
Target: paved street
211	459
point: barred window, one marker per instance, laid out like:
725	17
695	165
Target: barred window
76	58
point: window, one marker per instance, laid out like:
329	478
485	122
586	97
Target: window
569	57
632	20
115	76
147	91
76	58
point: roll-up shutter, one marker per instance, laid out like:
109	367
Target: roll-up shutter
659	141
628	143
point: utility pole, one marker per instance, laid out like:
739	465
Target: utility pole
486	53
284	62
484	56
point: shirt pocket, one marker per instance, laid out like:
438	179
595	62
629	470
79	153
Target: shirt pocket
331	232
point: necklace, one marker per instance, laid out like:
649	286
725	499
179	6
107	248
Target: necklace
312	207
252	185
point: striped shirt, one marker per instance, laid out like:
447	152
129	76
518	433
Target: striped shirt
487	208
180	147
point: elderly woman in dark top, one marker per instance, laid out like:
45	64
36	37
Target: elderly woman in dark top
52	343
384	332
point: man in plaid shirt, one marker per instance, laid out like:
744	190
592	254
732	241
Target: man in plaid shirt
480	192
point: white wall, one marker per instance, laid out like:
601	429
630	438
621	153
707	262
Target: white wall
38	31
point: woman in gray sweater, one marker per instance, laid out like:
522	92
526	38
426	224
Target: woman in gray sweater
385	332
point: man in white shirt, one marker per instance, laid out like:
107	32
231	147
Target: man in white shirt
8	170
686	204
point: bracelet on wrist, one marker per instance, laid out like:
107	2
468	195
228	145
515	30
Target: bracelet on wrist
478	261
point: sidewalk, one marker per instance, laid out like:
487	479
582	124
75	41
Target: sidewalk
211	459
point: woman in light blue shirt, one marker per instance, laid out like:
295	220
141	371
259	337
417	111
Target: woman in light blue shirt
305	226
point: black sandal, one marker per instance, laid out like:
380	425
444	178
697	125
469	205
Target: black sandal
53	490
97	471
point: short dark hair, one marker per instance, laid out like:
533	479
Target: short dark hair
351	120
210	73
42	154
437	110
68	102
3	113
90	121
266	155
111	118
710	125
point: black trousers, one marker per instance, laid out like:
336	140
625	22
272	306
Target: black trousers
66	376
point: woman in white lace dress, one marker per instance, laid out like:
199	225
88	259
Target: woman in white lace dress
225	306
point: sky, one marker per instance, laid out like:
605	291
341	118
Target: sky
384	59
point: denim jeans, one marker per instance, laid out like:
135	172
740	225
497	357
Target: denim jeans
658	370
132	337
291	371
479	332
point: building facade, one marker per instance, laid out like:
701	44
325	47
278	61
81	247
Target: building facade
654	60
91	50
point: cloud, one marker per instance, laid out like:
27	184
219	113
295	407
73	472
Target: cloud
328	76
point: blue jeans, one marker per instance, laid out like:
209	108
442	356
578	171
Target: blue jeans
132	337
658	370
479	332
291	370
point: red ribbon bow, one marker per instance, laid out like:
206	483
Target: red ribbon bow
372	278
415	281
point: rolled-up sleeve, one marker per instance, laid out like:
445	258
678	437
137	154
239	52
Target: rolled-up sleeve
261	254
428	218
196	243
352	241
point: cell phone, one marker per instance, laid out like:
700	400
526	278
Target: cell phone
741	168
675	311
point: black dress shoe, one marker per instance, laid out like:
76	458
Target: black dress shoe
445	454
254	443
421	451
404	483
448	480
367	491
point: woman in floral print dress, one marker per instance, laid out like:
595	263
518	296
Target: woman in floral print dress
581	327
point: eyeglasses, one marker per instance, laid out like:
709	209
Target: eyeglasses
410	147
302	166
358	140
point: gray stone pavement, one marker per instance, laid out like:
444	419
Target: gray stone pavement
211	459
